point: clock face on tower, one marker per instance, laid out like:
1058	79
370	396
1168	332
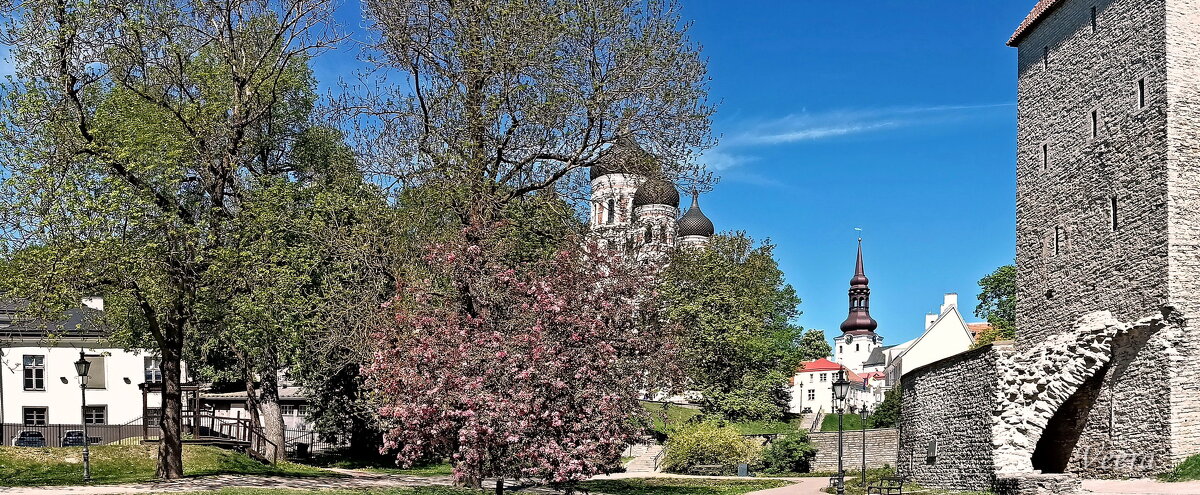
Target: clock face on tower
849	339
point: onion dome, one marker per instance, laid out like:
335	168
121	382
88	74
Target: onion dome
859	320
656	191
624	157
694	222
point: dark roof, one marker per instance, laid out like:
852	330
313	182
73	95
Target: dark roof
656	192
694	222
1039	13
625	157
876	357
75	323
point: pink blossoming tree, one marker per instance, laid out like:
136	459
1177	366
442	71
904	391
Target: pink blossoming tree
536	375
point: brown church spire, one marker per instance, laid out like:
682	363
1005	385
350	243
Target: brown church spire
859	320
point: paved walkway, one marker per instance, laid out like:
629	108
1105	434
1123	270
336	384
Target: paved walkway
351	480
1141	487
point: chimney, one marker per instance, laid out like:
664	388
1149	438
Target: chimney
929	319
949	301
94	302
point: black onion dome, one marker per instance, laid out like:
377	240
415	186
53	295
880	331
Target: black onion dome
694	222
656	192
624	157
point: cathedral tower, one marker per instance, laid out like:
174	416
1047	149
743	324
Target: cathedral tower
858	338
694	227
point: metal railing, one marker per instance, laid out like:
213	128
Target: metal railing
816	424
71	435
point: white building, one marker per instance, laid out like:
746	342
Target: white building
38	381
946	334
634	208
812	388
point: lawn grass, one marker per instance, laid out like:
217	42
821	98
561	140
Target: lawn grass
679	486
29	466
849	422
1188	470
675	415
439	469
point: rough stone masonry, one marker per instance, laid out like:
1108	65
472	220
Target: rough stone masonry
1101	378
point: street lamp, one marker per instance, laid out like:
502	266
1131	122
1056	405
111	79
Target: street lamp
862	415
81	368
841	387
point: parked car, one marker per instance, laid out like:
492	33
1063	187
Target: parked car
29	438
74	438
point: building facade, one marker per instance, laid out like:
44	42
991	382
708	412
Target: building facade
1108	202
38	381
635	209
946	334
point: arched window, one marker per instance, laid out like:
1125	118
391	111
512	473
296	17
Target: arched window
649	235
612	211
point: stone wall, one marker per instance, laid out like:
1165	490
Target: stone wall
881	449
1108	220
952	402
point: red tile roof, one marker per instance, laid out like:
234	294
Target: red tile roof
978	328
1039	12
821	364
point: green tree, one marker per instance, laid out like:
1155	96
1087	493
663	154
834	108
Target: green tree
887	414
133	134
998	305
813	346
736	311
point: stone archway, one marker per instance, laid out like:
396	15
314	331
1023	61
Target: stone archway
1044	390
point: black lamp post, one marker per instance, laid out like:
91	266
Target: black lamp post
81	368
841	387
862	415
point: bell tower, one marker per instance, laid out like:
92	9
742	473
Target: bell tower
858	337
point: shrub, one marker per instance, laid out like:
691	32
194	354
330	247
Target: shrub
788	454
887	414
707	443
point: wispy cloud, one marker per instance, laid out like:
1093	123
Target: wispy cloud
737	148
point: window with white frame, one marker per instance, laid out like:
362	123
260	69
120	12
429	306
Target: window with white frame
812	394
34	372
153	367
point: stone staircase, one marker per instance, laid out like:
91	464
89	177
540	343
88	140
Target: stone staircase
643	458
809	419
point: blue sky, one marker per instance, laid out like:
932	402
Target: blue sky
896	117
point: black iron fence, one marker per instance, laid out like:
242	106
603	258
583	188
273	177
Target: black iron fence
302	444
71	435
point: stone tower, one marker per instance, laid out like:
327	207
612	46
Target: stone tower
615	181
858	338
1108	219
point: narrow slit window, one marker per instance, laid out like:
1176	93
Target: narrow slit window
1093	19
1095	123
611	211
1141	93
1057	240
1045	57
1112	203
1045	156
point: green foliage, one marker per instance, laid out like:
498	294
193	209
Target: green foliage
998	305
813	345
788	454
1188	470
26	466
678	486
887	414
736	310
707	443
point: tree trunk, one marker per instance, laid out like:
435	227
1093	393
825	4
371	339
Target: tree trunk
272	414
499	486
170	443
251	396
